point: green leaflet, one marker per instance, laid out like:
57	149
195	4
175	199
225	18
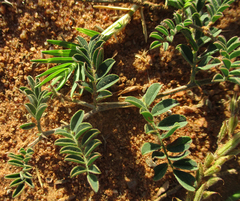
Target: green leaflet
149	147
185	179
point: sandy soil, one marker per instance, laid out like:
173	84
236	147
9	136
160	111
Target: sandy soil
125	173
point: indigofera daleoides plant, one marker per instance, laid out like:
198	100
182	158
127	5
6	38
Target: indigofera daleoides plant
82	63
174	154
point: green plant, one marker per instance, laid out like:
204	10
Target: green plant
203	39
169	124
80	151
37	105
83	63
22	177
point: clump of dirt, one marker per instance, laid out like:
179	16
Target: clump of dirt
126	174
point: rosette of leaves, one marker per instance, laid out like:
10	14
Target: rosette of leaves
196	25
37	105
22	177
79	144
175	152
82	59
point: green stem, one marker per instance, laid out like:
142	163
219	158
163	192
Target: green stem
190	85
162	144
194	68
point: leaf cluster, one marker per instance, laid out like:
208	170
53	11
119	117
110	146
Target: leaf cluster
195	24
79	144
82	59
170	124
37	98
23	177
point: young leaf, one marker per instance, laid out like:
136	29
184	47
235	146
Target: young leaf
149	147
89	135
63	44
93	181
104	68
31	109
146	114
98	57
40	111
70	150
152	93
28	126
107	82
83	127
186	53
186	164
60	53
156	35
65	142
93	156
170	132
138	103
64	133
180	144
155	44
159	171
18	190
88	32
164	106
16	163
29	182
91	146
169	122
94	169
77	170
185	179
103	94
12	176
76	120
218	78
75	158
162	30
16	182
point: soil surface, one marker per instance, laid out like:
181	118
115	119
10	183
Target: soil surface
126	175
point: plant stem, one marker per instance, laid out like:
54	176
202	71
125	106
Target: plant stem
162	144
190	85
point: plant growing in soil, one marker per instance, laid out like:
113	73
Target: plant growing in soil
203	40
170	124
85	63
23	177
